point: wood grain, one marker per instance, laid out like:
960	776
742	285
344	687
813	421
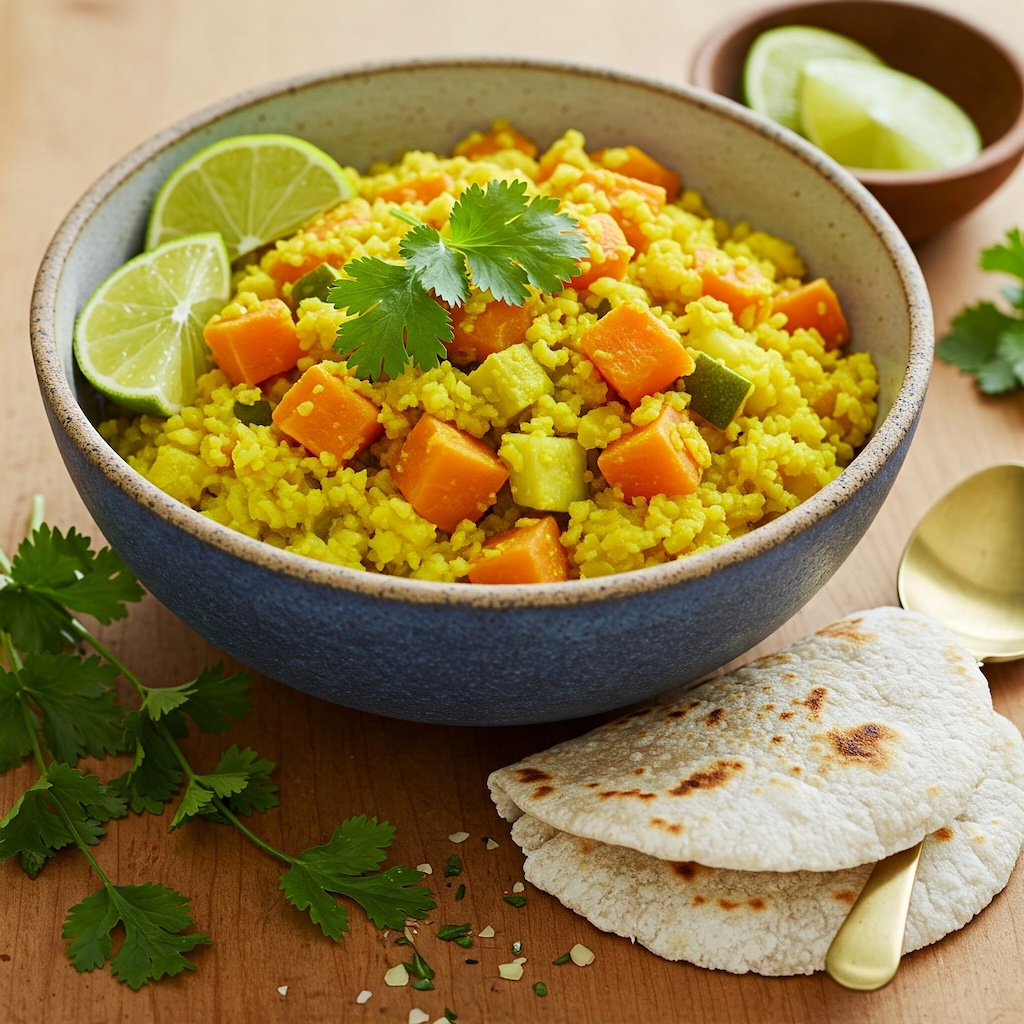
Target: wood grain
83	82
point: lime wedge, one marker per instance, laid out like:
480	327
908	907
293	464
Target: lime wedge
773	69
139	337
874	117
253	189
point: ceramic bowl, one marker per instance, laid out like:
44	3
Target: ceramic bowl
489	655
961	60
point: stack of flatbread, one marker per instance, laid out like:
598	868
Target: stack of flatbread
735	827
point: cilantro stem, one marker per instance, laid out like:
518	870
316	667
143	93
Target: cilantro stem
261	843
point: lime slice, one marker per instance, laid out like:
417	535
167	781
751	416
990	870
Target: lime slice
874	117
252	189
774	66
139	338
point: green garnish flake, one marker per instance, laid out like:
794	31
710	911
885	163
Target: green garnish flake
450	1016
716	392
563	959
422	985
540	988
986	341
452	932
515	901
460	893
256	415
453	866
500	240
58	706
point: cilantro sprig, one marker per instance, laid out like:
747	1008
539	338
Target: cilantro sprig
986	341
57	707
499	240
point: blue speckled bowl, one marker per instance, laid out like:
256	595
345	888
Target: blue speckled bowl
481	655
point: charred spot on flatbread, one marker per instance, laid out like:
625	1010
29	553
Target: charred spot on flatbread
611	794
714	717
849	629
869	743
528	775
943	835
814	702
715	775
688	870
672	827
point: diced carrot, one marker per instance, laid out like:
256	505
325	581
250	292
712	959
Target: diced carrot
532	553
446	474
624	195
496	327
743	288
421	189
610	253
501	136
286	268
637	353
256	345
651	460
324	414
635	163
816	305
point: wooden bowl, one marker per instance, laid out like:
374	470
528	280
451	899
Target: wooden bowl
974	69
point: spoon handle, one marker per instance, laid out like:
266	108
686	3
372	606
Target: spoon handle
865	954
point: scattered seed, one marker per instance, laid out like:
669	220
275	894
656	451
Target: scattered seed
489	843
459	837
580	955
517	947
519	887
397	977
486	933
282	990
425	868
364	996
417	1016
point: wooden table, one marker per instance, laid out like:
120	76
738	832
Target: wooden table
83	82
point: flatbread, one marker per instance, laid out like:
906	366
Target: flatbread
782	923
847	746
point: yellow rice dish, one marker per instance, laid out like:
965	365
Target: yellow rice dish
719	292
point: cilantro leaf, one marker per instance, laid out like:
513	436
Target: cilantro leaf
394	321
54	574
37	826
339	866
155	775
259	793
16	732
510	241
153	918
230	777
215	698
440	268
985	341
499	240
76	699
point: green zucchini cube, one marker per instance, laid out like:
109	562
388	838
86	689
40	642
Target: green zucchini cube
511	380
545	473
716	392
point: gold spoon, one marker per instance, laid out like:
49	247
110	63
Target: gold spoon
964	566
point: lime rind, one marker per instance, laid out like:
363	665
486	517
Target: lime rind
773	70
139	337
251	189
879	118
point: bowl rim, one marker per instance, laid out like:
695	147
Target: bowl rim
1006	147
888	435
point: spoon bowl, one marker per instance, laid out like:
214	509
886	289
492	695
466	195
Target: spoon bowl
963	566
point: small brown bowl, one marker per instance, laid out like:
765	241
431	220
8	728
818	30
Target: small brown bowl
957	58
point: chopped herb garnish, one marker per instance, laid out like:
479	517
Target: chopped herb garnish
517	947
460	893
465	941
451	932
256	415
422	985
986	341
58	707
540	988
563	959
500	240
453	866
419	967
516	901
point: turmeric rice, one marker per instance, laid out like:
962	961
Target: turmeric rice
809	403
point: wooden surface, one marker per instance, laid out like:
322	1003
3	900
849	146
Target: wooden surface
83	82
